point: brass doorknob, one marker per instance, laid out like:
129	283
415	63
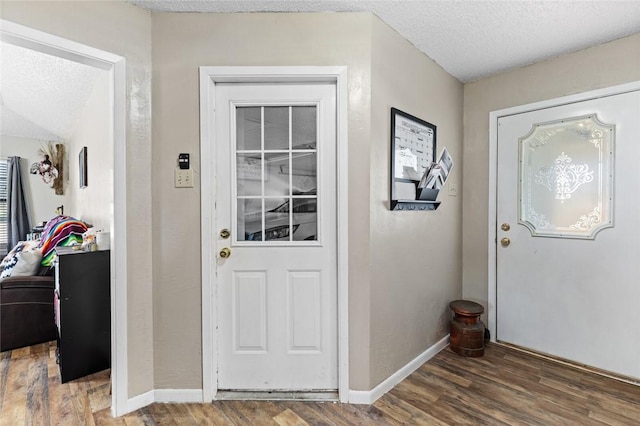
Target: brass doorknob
505	242
225	253
225	233
505	227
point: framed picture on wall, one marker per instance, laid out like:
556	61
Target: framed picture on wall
82	161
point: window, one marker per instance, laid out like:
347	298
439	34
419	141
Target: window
566	178
277	167
3	206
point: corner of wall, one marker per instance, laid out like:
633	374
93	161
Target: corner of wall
415	256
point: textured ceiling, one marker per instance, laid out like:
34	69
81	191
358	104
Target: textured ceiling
470	39
42	95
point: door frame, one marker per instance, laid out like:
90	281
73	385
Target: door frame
492	227
209	77
116	65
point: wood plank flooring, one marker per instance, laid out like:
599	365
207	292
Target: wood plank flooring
505	387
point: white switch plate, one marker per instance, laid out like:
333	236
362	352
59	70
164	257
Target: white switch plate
453	189
184	178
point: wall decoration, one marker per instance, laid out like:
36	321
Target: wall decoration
51	167
413	151
82	162
413	145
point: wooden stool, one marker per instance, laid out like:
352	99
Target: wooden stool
467	331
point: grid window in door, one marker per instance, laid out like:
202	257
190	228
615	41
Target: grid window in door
276	173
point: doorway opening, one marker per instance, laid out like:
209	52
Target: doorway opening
114	65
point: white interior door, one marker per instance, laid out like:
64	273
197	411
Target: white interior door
568	283
276	195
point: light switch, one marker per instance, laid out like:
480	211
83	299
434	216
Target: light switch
184	178
453	189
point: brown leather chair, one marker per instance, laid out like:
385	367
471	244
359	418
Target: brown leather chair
26	311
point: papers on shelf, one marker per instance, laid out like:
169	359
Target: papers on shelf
436	174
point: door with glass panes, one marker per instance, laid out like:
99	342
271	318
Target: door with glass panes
276	209
567	239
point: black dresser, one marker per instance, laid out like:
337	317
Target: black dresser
83	312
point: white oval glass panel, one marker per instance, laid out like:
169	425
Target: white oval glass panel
566	178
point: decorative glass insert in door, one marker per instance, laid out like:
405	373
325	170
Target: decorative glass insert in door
276	168
566	178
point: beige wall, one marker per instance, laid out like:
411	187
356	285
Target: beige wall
125	30
416	257
606	65
404	268
41	197
93	204
182	43
400	280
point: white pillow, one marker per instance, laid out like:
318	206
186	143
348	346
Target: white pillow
23	260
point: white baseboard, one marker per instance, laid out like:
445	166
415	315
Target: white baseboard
178	395
355	396
140	401
163	395
359	397
369	397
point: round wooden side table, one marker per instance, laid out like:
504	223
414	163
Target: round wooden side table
467	331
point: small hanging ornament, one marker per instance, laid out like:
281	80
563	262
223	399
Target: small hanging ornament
51	172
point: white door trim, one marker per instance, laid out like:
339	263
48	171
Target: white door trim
493	164
116	65
209	77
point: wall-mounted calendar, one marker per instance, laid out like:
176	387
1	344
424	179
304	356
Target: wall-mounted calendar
413	151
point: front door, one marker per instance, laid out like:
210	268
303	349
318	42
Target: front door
276	265
568	251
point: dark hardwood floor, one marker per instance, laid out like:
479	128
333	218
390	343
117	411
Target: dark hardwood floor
503	387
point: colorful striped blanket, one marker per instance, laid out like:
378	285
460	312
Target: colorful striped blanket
60	231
